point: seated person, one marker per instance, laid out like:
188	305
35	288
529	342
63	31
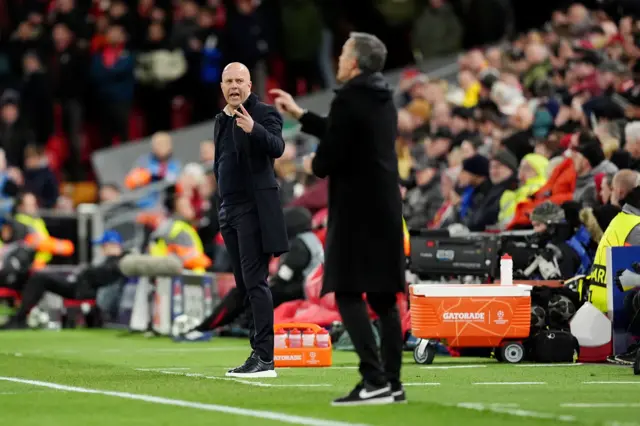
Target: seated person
555	255
177	235
305	255
159	165
78	286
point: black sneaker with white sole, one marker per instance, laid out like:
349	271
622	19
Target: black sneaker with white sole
366	394
397	391
254	368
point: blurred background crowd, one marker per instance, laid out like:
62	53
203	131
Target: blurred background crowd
532	115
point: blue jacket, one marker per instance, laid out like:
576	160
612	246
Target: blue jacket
114	84
151	163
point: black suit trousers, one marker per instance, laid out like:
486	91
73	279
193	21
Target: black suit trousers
378	366
240	228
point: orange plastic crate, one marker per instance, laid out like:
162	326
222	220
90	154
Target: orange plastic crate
302	357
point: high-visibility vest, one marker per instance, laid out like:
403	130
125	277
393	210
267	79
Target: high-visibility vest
36	225
407	239
594	287
193	256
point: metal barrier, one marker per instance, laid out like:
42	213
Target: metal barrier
95	219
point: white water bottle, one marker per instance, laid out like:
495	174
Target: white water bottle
506	270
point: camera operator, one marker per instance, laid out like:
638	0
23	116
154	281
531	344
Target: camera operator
554	257
79	286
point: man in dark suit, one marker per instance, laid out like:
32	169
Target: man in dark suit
248	137
364	246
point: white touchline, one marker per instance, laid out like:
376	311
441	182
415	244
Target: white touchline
548	365
510	383
260	414
123	350
421	384
447	367
163	369
612	383
601	405
244	382
515	411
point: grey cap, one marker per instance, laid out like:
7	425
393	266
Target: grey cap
548	213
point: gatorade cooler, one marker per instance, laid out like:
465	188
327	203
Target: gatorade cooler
465	315
302	356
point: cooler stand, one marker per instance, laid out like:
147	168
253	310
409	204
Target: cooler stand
466	316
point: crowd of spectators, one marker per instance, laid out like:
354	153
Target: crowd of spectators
548	115
551	116
85	74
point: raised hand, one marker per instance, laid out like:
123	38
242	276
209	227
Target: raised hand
243	119
285	103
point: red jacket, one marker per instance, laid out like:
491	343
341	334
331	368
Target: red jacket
558	189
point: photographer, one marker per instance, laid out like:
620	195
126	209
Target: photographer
78	286
554	257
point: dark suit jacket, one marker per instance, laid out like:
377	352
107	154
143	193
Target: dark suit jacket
257	152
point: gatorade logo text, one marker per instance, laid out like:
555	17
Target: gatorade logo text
288	357
463	316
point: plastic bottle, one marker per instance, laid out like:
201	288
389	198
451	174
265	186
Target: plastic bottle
322	339
295	338
506	270
308	338
280	339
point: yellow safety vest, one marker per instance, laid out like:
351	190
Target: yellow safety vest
160	247
37	225
614	236
407	239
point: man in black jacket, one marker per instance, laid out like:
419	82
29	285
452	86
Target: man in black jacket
248	137
305	255
364	246
79	286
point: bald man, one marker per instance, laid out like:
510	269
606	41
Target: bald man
248	137
622	184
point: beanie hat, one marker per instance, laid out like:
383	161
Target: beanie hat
506	157
477	165
592	151
548	213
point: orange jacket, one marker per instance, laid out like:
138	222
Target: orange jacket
558	189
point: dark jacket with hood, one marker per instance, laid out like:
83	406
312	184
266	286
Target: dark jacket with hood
477	202
364	245
15	257
486	214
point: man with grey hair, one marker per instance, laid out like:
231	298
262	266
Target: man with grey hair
632	138
364	249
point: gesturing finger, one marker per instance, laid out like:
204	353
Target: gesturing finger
278	92
244	111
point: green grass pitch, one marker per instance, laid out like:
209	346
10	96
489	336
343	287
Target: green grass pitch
103	377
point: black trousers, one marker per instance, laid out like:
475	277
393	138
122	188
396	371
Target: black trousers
374	369
240	230
37	285
232	306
